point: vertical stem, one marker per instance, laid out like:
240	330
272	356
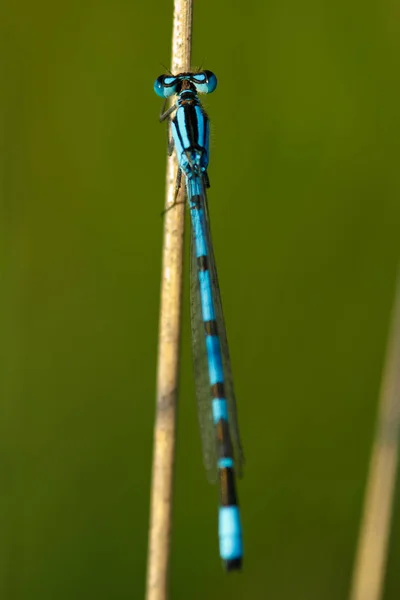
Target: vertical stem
369	571
168	344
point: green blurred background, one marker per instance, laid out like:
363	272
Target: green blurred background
305	213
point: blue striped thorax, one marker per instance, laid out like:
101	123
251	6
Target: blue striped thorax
189	126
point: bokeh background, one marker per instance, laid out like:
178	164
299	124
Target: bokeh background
305	213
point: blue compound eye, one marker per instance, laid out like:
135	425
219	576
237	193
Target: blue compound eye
205	82
165	86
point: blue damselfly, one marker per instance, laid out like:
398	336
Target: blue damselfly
216	404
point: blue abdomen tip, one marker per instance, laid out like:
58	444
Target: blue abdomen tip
230	533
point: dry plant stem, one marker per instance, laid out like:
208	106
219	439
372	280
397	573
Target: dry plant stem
369	571
169	344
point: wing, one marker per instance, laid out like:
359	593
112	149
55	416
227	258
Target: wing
203	393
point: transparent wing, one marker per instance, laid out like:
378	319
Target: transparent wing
200	366
202	384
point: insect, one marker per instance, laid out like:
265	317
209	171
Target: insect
222	450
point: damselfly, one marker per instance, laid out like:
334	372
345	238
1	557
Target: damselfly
222	449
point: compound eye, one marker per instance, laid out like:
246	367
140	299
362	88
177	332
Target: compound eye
165	86
205	82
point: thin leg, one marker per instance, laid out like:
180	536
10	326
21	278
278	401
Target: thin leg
170	143
178	182
166	113
177	188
